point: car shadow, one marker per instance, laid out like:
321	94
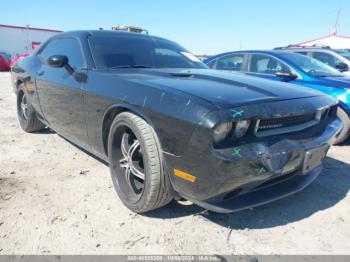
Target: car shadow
45	131
326	191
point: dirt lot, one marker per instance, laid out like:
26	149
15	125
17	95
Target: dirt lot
56	199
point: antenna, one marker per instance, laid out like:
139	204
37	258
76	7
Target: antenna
335	28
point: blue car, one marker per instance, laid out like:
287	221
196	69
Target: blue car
291	67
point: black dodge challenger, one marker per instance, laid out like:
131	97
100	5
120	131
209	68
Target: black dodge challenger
168	126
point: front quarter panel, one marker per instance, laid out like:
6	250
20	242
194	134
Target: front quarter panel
172	114
239	162
24	71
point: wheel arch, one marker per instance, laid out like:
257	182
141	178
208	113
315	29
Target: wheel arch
19	81
111	113
108	117
344	107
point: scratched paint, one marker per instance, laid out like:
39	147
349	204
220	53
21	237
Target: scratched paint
124	98
161	97
144	101
261	170
237	113
236	152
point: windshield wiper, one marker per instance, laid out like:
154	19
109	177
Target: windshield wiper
132	66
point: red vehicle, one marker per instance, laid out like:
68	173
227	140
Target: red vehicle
16	58
4	61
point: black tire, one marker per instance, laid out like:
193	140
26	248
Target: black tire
344	134
28	120
144	189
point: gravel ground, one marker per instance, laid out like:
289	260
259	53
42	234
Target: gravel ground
56	199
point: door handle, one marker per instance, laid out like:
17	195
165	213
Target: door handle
41	72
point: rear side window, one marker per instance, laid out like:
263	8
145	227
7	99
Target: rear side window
326	58
264	64
231	62
302	53
69	47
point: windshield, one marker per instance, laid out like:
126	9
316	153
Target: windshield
343	53
139	51
312	66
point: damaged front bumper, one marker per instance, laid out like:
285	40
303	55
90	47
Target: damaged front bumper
252	174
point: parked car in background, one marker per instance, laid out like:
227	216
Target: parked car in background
336	58
170	127
17	57
5	61
294	68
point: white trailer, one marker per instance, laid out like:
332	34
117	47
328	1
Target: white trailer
16	40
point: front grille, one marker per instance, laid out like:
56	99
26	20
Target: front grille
268	124
282	125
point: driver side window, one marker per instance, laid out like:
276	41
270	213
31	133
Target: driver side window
264	64
64	46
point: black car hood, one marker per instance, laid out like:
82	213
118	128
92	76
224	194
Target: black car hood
225	89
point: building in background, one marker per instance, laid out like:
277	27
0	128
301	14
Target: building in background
16	40
334	41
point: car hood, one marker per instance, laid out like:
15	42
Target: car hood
338	82
225	89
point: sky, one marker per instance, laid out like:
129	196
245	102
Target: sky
201	26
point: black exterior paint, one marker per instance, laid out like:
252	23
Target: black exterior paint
183	105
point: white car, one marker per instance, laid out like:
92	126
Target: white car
336	58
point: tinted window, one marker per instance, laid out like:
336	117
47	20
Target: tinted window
128	50
264	64
326	58
64	46
311	66
232	62
344	53
302	53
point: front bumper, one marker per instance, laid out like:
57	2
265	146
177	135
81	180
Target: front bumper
251	174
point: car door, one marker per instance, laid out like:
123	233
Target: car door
60	93
266	66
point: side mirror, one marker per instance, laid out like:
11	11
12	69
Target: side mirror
286	76
58	61
342	67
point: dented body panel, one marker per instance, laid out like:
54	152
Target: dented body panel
184	106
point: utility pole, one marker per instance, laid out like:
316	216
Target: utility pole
335	28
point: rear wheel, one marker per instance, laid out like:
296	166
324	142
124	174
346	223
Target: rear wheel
26	114
344	134
136	164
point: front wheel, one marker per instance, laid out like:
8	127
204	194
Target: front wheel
26	114
135	161
346	129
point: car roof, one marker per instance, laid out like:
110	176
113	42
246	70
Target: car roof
267	52
84	33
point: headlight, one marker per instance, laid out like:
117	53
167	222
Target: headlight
221	131
241	128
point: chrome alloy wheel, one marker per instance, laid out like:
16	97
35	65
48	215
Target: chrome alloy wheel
132	162
24	107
